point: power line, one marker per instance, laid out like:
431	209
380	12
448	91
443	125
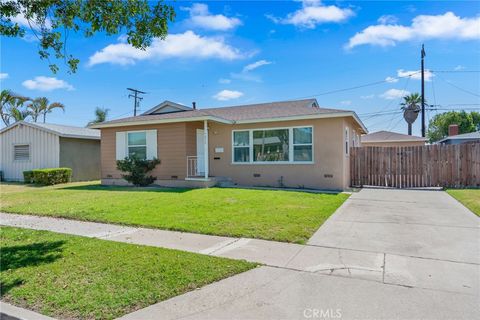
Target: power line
137	99
455	71
459	88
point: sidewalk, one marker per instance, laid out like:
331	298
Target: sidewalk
323	260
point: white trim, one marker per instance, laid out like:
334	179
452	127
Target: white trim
205	148
198	179
159	121
387	141
127	145
346	141
167	103
290	146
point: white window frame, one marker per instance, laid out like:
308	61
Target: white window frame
290	146
346	144
29	151
136	145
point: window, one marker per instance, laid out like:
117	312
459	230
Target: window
137	144
302	144
347	142
241	146
21	152
270	145
273	145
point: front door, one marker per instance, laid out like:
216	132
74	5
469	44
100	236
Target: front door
200	153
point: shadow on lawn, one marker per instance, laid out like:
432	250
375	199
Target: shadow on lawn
96	187
15	257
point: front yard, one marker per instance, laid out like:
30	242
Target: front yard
470	198
71	277
272	215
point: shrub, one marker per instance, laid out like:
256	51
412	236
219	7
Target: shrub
52	176
28	176
137	170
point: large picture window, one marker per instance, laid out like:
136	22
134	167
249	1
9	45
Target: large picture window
282	145
137	144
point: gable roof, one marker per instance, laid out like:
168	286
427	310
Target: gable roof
167	104
389	136
469	136
60	130
253	113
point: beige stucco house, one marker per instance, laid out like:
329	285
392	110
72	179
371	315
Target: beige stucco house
391	139
280	144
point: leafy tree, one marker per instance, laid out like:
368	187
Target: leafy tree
100	115
137	170
51	21
45	107
13	107
438	126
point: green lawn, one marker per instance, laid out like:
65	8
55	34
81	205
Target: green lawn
470	198
71	277
272	215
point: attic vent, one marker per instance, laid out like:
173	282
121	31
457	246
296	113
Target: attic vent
21	152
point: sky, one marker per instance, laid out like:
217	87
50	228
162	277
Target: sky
223	53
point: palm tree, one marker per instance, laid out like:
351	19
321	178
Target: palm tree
19	114
100	115
411	106
6	102
45	107
35	109
17	108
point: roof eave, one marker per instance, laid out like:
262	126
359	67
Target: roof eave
386	141
158	121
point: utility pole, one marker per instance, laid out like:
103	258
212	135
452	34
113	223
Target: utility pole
137	99
423	91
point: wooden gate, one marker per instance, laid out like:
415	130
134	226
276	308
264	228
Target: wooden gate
419	166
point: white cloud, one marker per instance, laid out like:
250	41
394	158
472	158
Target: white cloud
22	21
391	79
346	102
446	26
224	81
367	97
180	45
46	84
225	95
387	19
3	75
255	65
416	74
312	13
459	68
201	17
394	94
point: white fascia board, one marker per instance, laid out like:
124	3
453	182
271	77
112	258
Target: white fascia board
387	141
158	121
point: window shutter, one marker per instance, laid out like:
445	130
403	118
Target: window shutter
151	144
121	146
22	152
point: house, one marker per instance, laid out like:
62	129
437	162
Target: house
455	138
26	146
391	139
278	144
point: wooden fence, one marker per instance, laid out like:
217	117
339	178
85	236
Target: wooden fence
420	166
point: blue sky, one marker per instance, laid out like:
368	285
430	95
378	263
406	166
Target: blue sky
223	53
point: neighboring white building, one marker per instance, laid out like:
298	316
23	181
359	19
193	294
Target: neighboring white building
26	146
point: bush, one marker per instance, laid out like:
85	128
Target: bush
137	170
52	176
28	176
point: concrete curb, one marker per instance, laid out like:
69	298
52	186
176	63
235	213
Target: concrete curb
10	312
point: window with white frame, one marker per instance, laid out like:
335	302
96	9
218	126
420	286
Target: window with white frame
137	144
347	141
354	138
21	152
293	144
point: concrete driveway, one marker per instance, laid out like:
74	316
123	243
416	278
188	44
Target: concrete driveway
385	254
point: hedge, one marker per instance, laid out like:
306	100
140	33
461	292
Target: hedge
51	176
28	176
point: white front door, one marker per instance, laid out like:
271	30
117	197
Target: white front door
200	153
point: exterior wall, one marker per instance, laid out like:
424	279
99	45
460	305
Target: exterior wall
393	144
44	151
326	171
175	141
82	156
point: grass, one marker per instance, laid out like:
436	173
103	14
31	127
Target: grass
470	198
272	215
72	277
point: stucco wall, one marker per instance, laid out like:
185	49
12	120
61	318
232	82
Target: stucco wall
326	172
82	156
44	151
393	144
175	141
